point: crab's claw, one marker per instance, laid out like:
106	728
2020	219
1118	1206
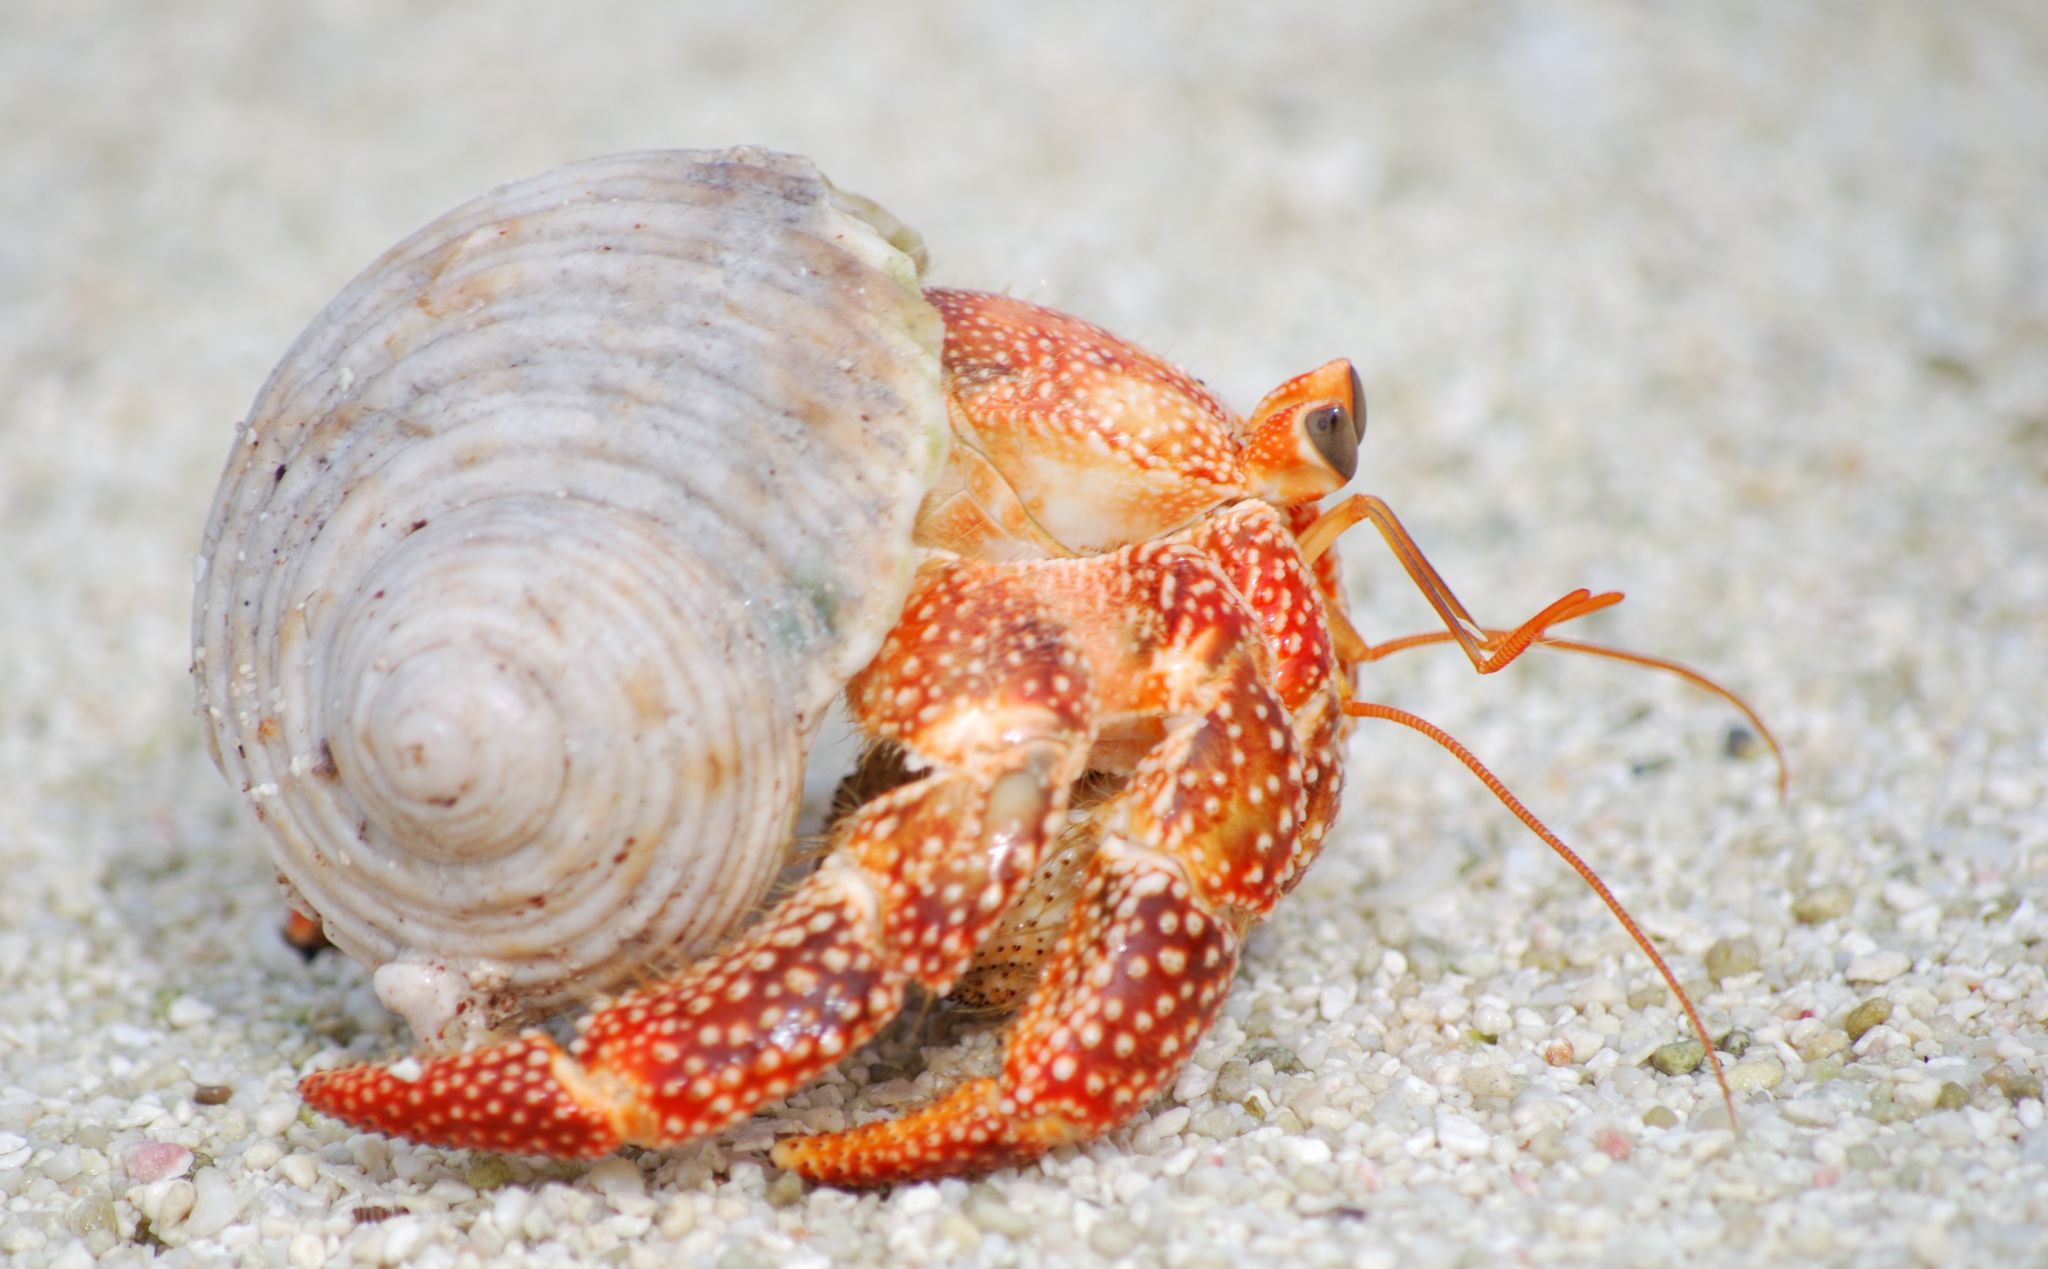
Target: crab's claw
525	1096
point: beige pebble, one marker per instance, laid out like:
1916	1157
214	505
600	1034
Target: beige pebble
1756	1074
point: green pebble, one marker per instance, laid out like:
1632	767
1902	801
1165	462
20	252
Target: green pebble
1953	1096
1735	1043
1680	1057
1660	1117
1825	1069
486	1173
786	1190
2016	1085
1731	958
1867	1015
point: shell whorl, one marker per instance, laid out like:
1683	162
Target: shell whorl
543	551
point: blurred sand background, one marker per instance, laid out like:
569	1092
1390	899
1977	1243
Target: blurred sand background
1740	308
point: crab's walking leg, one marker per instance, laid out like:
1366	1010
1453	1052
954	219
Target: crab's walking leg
1196	847
976	683
1488	651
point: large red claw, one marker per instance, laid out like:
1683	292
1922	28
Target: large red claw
525	1096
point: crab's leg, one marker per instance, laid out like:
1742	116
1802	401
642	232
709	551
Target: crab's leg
974	682
1197	845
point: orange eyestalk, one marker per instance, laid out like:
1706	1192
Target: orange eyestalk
1301	442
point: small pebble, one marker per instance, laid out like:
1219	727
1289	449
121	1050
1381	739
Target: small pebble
1217	1122
300	1169
1731	958
1823	1043
1488	1080
1953	1096
614	1177
63	1165
1114	1236
216	1203
1660	1117
262	1156
786	1190
1735	1043
212	1094
166	1203
1822	903
2016	1085
188	1011
1679	1057
1756	1074
401	1239
306	1251
487	1172
1863	1017
152	1161
1461	1136
989	1209
1884	1107
95	1212
1233	1081
1878	967
274	1117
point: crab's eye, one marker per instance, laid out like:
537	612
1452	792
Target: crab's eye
1331	430
1357	406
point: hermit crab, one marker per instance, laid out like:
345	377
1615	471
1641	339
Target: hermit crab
544	551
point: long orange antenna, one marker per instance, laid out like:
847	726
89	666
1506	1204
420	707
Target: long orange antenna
1374	652
1369	709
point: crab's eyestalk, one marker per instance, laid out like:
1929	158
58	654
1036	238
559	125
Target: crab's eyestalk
1302	441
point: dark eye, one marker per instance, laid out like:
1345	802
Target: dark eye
1335	437
1357	405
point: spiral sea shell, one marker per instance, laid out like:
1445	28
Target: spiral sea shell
542	552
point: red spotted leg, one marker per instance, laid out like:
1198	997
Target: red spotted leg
1197	846
975	683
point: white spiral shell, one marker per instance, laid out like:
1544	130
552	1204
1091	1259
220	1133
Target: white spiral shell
541	554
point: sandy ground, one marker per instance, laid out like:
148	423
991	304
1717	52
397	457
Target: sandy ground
1742	309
